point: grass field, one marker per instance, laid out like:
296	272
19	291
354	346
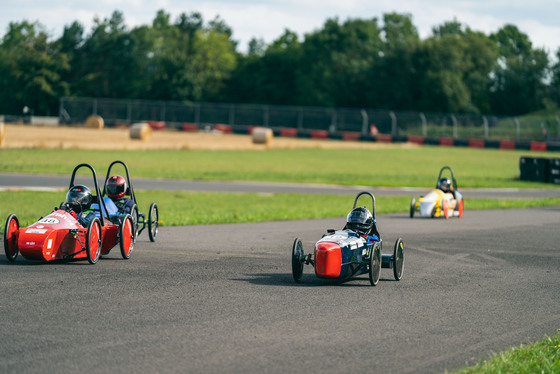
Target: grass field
391	166
540	357
387	166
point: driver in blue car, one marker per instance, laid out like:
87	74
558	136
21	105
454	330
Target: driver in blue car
361	221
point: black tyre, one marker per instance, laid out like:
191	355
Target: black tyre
134	215
375	264
398	259
153	222
93	241
126	237
10	237
297	260
412	207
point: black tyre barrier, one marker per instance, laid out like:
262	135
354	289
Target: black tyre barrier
554	171
539	169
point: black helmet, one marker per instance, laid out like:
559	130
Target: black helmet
79	198
444	184
359	220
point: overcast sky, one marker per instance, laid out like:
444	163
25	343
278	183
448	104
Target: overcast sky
267	19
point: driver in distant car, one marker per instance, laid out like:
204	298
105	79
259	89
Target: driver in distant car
360	220
78	200
444	184
117	188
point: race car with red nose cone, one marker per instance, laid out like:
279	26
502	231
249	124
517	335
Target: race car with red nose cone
119	191
79	229
354	250
444	201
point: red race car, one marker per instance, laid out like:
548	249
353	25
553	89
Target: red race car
80	228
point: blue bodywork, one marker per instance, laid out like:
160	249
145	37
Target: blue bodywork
355	250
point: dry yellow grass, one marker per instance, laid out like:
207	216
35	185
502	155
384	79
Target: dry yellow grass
78	137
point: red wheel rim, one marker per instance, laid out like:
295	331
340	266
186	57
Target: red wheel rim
127	236
11	236
94	242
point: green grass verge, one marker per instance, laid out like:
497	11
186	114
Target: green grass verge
199	208
540	357
392	166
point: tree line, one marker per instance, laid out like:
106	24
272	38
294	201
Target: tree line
357	63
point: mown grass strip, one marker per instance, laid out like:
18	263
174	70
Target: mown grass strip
540	357
398	165
179	208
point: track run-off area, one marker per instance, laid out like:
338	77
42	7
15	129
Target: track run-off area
221	298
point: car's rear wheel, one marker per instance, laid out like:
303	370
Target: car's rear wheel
398	259
10	237
126	234
375	264
93	241
297	260
134	215
412	207
153	222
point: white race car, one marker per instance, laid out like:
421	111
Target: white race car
443	201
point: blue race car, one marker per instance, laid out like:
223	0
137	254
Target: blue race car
354	250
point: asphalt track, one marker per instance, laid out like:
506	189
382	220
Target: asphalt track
221	299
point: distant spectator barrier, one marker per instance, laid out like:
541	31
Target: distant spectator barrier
306	121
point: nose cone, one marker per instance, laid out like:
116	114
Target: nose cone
328	260
427	207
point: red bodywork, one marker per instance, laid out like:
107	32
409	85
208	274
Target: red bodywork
60	236
328	260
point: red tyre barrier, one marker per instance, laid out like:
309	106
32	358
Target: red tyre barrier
507	144
226	129
385	138
351	135
190	127
288	132
157	125
319	134
477	143
446	141
538	146
417	139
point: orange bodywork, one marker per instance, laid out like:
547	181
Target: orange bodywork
328	260
59	236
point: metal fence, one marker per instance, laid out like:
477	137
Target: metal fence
334	120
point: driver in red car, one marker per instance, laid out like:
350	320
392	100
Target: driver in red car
117	188
78	202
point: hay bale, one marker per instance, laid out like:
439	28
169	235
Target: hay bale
2	134
262	135
141	131
95	122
